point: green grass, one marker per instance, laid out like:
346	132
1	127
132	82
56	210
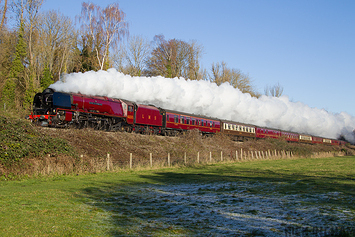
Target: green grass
87	205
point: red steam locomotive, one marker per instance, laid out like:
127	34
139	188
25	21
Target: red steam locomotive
58	109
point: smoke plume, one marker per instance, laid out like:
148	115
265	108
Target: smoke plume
206	98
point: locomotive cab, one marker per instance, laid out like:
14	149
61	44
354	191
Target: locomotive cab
43	102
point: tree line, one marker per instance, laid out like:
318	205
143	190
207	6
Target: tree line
39	47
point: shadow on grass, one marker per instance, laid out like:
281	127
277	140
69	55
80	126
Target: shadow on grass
180	203
297	182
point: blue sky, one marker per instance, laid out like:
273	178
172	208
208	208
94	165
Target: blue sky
306	46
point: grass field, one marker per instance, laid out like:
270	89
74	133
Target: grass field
259	198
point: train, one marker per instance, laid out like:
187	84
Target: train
59	109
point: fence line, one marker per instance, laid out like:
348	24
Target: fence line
240	156
109	164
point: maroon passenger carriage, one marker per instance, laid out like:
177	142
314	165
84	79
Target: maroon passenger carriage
317	140
290	136
267	133
148	119
175	122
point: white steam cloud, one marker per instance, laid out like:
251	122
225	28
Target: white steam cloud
205	98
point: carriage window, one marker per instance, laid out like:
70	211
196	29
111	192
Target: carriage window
176	119
130	108
201	122
187	120
182	119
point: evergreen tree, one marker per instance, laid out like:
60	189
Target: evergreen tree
47	78
18	68
15	81
29	94
8	94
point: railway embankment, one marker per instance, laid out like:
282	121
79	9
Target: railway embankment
28	150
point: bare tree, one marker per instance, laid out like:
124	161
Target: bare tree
161	63
221	73
105	26
275	91
131	58
193	66
56	41
174	58
3	12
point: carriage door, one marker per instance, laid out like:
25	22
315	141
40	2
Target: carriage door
130	114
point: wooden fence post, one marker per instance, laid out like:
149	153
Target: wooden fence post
130	160
81	162
222	156
169	159
185	158
241	154
48	167
151	160
108	161
236	155
198	157
211	157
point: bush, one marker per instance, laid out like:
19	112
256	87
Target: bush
19	139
